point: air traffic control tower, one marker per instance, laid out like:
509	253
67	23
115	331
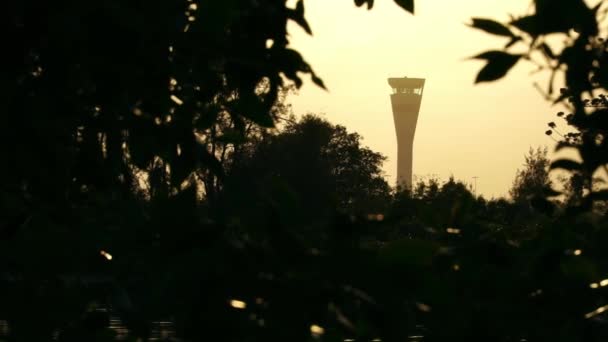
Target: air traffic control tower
405	100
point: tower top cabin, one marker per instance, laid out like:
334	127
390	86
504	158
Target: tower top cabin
407	85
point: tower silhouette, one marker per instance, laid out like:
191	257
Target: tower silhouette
405	100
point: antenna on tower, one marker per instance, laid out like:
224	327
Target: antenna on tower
475	185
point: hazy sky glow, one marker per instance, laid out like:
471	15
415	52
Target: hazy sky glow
464	129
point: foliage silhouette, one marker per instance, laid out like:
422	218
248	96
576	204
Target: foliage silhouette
583	59
533	181
320	166
118	116
140	148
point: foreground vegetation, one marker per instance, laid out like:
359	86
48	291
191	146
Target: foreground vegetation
152	171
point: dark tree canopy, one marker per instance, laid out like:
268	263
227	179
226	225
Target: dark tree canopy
143	182
322	166
533	180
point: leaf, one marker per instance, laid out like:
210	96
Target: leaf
549	192
562	97
231	136
527	24
512	42
318	81
254	108
542	205
547	50
210	161
408	252
598	119
291	63
601	195
297	15
492	27
580	268
570	14
208	118
566	164
407	5
499	63
562	144
370	3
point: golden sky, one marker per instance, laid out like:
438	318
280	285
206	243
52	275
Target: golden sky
464	130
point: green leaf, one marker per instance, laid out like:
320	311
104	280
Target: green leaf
566	164
407	5
499	63
580	268
408	252
492	27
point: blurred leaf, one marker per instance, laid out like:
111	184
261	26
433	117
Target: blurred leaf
210	161
231	136
581	268
512	42
562	97
601	195
562	144
207	118
499	63
570	14
370	3
598	119
492	27
407	5
547	50
527	24
318	81
566	164
543	205
549	192
252	107
297	15
409	252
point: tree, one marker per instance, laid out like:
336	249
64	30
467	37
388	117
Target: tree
533	180
581	59
95	100
582	62
115	94
322	166
113	115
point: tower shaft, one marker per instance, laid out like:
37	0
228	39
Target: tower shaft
405	101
